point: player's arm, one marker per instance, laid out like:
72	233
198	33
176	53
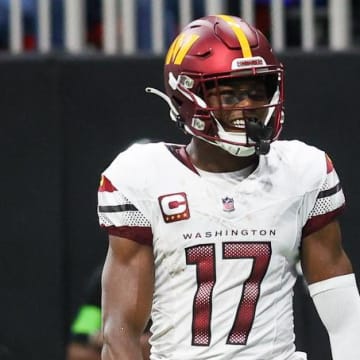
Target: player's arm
127	290
77	351
323	256
333	288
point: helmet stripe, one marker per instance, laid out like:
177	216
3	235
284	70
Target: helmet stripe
179	48
243	41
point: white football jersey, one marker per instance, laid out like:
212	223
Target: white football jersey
225	250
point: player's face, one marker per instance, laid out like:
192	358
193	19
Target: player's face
237	100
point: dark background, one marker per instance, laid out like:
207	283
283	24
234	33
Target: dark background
64	119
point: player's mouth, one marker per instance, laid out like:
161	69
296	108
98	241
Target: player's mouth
236	125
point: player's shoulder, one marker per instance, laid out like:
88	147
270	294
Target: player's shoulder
139	151
137	155
139	162
297	153
300	161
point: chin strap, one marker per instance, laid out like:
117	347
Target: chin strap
259	133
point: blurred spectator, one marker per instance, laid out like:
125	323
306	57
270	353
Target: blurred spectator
30	26
94	23
85	340
29	13
29	18
292	17
3	24
356	21
171	17
144	25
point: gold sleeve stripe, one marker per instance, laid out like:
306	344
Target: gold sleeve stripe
243	41
179	48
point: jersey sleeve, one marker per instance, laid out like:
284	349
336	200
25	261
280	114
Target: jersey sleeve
329	203
120	216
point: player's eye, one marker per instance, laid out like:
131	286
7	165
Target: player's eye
229	98
234	97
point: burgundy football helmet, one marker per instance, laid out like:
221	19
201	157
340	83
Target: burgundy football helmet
208	51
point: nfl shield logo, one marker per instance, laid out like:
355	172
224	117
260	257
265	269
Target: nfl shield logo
228	204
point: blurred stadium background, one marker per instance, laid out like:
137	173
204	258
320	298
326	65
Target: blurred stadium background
72	79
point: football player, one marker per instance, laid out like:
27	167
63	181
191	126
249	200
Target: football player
205	236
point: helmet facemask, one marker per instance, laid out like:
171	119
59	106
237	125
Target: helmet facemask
256	127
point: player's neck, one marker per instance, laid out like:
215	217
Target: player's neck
212	158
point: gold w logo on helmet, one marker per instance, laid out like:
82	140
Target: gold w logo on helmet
179	48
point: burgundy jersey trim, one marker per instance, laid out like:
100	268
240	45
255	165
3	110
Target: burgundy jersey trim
180	153
106	185
317	222
140	234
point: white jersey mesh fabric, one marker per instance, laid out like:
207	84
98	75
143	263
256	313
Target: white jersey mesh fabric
115	209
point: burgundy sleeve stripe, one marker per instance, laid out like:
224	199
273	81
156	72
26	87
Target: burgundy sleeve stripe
317	222
140	234
329	192
117	208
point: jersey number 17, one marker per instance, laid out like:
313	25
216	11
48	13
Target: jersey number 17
203	256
